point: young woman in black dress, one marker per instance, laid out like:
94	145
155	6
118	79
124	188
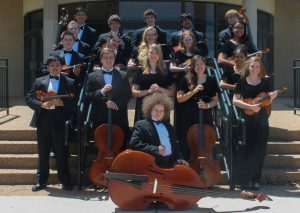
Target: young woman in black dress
232	75
153	77
196	90
248	159
238	37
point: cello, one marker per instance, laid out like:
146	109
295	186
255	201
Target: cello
108	139
201	139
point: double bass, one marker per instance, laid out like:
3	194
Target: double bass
135	182
108	139
201	139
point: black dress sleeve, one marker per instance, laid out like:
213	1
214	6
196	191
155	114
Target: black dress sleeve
239	87
137	78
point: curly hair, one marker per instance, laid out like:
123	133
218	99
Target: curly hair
157	99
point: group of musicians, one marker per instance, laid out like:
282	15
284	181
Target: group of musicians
162	71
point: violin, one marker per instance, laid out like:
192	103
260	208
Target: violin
201	139
244	18
264	100
48	96
263	51
66	69
258	196
108	139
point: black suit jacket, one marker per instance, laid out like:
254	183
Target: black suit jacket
145	138
199	37
89	35
102	39
121	94
138	35
66	86
83	48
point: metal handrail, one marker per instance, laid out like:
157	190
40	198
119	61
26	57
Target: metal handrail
296	85
4	85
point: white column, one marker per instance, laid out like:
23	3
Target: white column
251	12
50	23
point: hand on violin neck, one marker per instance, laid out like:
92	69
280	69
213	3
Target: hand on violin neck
76	70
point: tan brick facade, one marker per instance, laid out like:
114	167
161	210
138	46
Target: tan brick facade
286	41
12	43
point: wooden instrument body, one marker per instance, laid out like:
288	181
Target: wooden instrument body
158	188
202	160
263	99
47	96
105	156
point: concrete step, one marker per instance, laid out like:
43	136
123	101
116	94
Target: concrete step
18	147
282	161
18	134
284	147
280	176
29	161
23	176
27	147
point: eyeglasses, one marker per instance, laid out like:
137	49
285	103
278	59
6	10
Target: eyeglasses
151	35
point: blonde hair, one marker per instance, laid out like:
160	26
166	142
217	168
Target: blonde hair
231	13
246	72
157	99
143	48
160	63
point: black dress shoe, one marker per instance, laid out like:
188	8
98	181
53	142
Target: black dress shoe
67	187
38	187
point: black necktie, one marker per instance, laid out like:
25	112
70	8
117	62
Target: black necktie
68	51
54	77
106	72
82	27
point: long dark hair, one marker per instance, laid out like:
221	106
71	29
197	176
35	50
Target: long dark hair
191	76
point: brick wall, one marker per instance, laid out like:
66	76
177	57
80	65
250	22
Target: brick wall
286	42
12	42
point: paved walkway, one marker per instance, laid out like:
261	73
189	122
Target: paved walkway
55	200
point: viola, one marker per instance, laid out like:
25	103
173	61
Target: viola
264	100
108	139
48	96
201	140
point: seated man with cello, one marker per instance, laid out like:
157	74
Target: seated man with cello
52	107
154	134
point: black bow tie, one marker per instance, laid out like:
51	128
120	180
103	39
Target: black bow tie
106	72
68	51
157	122
54	77
82	27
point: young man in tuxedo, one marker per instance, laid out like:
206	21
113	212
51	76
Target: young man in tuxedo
69	57
86	34
154	134
109	81
78	46
186	24
114	23
150	19
49	118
